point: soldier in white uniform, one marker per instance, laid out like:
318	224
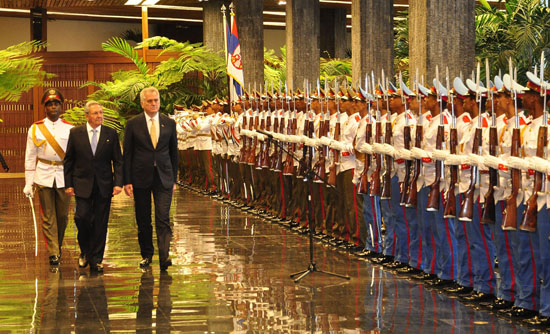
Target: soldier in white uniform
46	145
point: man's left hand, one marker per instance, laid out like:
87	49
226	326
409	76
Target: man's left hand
116	190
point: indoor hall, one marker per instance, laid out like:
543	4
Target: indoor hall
230	274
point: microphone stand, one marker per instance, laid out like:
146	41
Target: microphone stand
309	175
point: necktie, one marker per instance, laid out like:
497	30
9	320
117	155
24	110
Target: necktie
153	133
94	140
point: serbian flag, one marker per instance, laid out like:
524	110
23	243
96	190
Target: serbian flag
233	58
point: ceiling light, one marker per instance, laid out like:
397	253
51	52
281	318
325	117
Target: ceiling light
133	2
149	2
282	2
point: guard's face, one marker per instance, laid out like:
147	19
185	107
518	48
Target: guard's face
151	103
95	116
53	109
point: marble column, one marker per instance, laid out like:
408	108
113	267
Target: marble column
333	33
371	38
441	33
213	25
302	42
250	27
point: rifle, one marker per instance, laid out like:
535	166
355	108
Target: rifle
407	146
279	157
244	147
303	163
364	179
386	177
262	149
488	213
412	193
509	221
468	202
433	195
450	198
529	221
276	121
266	162
252	152
375	177
333	168
324	123
291	130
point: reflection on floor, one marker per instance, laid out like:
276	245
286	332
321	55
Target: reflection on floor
230	275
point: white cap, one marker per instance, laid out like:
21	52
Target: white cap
508	82
460	88
440	88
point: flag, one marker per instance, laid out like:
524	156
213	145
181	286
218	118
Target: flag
233	58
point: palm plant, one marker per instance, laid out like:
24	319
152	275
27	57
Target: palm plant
20	69
521	31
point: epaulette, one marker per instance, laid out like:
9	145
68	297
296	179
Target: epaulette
466	118
39	122
64	121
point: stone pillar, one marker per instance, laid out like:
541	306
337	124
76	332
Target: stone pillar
449	43
371	38
302	42
333	32
250	27
213	26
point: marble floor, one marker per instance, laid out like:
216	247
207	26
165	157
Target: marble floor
230	275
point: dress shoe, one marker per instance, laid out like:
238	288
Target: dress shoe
423	276
54	260
82	261
459	290
145	262
382	259
164	265
538	321
478	297
440	283
523	313
500	304
97	268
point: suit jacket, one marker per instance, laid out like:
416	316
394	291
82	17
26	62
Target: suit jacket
82	167
141	158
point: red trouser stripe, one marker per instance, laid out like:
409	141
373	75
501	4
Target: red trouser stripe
356	216
282	194
375	222
489	260
509	255
449	239
408	235
211	174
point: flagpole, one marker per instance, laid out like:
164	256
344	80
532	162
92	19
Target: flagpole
223	9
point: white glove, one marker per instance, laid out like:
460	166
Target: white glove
387	149
517	163
377	148
28	190
454	160
418	153
311	142
325	141
476	160
403	154
492	161
440	155
539	164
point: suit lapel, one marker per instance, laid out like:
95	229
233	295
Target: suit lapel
86	139
101	140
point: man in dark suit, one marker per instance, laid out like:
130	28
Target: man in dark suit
150	167
93	174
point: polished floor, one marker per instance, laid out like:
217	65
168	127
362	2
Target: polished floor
230	275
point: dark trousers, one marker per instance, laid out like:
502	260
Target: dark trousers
91	218
142	201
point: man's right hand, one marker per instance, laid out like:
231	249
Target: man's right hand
28	190
129	190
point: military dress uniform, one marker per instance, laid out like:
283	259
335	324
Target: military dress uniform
44	168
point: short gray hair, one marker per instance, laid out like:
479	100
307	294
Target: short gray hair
89	104
147	90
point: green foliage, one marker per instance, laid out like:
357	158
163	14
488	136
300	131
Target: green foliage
401	44
196	74
20	69
521	31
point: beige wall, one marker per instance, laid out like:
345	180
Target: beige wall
64	35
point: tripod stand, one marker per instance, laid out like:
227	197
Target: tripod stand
310	173
312	267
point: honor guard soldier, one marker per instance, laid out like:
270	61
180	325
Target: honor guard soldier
46	145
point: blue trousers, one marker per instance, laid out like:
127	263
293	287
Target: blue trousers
543	231
445	243
395	239
464	275
526	258
372	217
482	252
414	241
504	244
427	232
